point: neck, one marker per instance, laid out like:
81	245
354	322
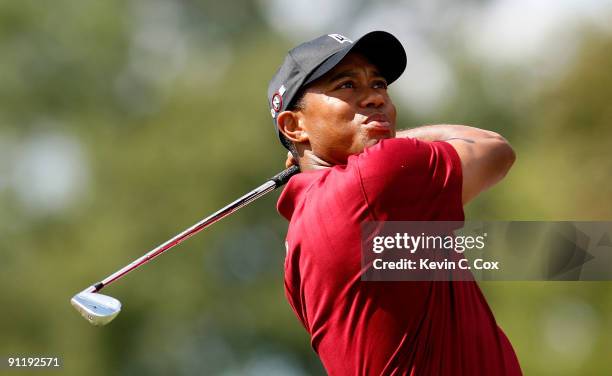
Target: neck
310	161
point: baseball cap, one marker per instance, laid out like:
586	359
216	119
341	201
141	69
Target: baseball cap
311	60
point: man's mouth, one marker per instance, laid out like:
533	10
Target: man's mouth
378	122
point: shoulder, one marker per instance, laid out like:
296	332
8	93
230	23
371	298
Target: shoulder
406	175
318	187
295	191
406	156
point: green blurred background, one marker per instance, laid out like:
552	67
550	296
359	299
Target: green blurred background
124	122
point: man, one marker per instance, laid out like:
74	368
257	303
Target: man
331	109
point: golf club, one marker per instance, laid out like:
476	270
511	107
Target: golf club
101	309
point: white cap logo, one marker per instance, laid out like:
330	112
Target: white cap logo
277	101
340	38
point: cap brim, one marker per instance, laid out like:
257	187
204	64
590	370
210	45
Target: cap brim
381	48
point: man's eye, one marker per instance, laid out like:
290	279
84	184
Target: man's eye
346	85
380	84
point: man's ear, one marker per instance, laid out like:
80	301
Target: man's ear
289	125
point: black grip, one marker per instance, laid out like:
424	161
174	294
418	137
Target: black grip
283	177
98	286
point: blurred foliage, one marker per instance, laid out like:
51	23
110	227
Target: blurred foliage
167	100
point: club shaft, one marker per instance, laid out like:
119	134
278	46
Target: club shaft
268	186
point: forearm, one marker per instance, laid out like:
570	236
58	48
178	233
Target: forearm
485	156
447	132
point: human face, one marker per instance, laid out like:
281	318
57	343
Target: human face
347	110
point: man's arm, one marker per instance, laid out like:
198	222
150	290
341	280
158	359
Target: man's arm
485	156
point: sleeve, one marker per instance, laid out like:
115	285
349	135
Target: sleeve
405	179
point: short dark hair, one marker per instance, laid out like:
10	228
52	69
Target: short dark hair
298	101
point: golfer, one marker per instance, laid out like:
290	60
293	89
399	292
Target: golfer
331	109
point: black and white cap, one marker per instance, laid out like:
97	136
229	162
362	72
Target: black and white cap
311	60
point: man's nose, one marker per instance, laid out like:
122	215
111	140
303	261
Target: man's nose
372	98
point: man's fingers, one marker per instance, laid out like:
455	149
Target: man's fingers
290	160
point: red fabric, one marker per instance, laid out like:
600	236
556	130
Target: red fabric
384	328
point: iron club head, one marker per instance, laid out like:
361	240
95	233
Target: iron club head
100	309
96	308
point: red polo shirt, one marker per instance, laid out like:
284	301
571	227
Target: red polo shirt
384	328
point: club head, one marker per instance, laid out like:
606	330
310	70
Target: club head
98	309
